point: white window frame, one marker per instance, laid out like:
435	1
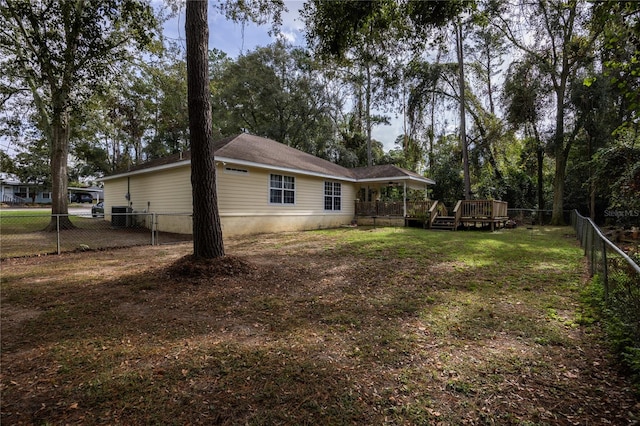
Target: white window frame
332	193
286	187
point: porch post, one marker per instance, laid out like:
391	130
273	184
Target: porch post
405	198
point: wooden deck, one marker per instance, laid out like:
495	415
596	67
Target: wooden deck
435	215
470	213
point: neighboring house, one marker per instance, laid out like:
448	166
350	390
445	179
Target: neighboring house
12	191
15	192
262	186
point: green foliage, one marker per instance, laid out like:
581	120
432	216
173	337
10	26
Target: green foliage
336	27
168	83
275	92
7	164
57	54
447	172
619	27
618	169
618	309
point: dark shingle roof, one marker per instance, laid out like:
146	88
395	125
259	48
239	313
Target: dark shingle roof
262	151
255	149
383	171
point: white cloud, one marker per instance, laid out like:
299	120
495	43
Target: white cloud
289	36
387	134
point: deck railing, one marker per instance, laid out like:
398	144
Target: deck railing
13	200
392	208
484	209
436	210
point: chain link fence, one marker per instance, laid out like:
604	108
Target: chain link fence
38	233
606	260
616	289
524	217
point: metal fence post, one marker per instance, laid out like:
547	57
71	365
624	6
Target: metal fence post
605	270
585	230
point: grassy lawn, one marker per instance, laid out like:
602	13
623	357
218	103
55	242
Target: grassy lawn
350	326
14	222
22	233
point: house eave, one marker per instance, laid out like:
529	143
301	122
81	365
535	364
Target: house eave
409	179
225	160
147	170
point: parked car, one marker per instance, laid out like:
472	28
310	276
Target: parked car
81	198
85	198
98	210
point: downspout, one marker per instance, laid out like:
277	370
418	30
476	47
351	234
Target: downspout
128	196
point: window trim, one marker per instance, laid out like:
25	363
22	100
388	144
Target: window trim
282	190
332	196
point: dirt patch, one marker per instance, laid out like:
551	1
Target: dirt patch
190	267
328	328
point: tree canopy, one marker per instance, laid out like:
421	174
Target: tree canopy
549	90
59	53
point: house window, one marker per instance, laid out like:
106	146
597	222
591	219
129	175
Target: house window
332	196
46	195
23	192
282	189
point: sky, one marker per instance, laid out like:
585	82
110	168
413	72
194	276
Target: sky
235	39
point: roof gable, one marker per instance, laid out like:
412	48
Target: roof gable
262	152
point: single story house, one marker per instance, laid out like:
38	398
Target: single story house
262	186
15	192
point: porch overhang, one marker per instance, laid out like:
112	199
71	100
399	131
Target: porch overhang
411	182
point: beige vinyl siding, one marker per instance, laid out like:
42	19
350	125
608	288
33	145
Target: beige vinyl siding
243	200
248	194
160	192
114	192
165	191
168	194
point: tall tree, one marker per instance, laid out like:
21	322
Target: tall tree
556	38
618	26
277	92
463	115
60	52
207	230
365	32
526	99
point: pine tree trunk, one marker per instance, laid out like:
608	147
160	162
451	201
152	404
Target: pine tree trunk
463	127
207	230
540	167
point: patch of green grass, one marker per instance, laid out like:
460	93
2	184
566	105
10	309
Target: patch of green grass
352	326
23	223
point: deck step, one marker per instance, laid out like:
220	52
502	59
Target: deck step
444	222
